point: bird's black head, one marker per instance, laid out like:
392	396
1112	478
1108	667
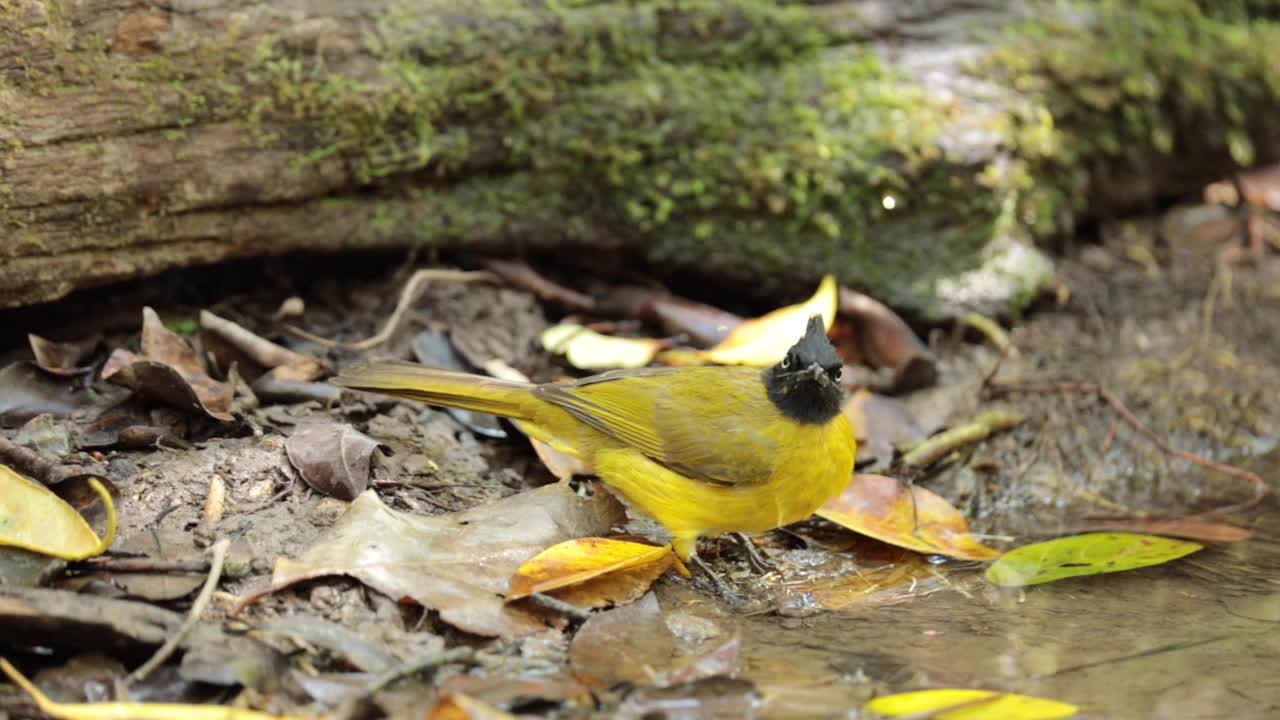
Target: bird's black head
805	385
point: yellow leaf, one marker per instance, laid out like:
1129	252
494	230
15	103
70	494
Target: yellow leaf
33	518
587	349
968	705
576	561
1089	554
766	339
131	710
908	516
456	706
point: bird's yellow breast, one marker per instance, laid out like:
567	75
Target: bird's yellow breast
814	464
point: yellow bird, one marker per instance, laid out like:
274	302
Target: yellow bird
704	450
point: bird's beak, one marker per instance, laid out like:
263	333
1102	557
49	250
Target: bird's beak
818	373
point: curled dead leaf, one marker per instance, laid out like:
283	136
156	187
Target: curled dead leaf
169	371
908	516
61	358
593	572
883	339
33	518
335	459
765	340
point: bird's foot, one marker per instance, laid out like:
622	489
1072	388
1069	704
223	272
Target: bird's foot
722	589
755	558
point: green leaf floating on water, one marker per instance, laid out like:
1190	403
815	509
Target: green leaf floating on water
1090	554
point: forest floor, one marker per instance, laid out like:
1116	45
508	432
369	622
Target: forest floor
838	619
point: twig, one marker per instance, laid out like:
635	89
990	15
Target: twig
520	275
197	609
1261	489
261	350
557	605
413	667
942	444
993	332
407	296
48	469
140	565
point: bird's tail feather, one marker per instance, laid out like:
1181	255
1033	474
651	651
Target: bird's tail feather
443	387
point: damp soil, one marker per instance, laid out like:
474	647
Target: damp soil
1199	638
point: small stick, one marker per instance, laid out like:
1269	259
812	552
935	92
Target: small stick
413	667
557	605
259	349
141	565
197	609
1260	487
993	332
48	469
942	444
520	275
407	296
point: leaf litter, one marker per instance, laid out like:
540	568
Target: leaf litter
458	564
678	679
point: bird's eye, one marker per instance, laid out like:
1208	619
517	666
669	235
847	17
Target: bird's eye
834	372
786	363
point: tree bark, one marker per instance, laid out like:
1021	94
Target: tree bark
743	138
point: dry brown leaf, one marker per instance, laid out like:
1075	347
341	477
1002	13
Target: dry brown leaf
880	423
169	371
1187	527
883	339
627	644
61	358
458	564
616	588
703	324
27	392
908	516
334	458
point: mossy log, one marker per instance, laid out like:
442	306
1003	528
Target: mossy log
905	146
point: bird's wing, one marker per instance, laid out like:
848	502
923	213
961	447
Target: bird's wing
710	428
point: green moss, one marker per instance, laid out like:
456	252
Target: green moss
701	126
733	132
1142	80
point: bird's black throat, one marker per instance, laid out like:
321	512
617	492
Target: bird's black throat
802	397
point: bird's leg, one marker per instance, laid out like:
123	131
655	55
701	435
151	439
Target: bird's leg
755	558
722	588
